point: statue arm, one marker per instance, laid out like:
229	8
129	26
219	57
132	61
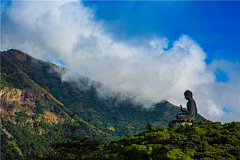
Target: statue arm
182	109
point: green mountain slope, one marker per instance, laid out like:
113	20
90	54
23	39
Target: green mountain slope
32	92
28	114
86	104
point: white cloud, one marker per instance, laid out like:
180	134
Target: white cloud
149	73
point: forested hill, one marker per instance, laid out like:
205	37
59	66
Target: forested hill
203	140
33	94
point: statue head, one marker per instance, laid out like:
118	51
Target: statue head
188	94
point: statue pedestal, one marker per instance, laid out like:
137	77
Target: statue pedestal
184	122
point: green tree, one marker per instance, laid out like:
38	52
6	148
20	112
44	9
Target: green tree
149	127
69	143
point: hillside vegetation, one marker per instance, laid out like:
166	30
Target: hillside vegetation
202	140
25	105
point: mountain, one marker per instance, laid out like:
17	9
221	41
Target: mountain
33	93
28	111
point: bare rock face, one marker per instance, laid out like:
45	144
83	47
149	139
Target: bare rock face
17	96
15	100
10	97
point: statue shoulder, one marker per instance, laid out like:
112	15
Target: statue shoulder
191	101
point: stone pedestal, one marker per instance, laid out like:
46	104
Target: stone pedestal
184	122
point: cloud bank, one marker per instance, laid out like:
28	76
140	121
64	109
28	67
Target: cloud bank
66	31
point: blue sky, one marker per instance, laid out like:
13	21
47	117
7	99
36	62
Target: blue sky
214	25
150	51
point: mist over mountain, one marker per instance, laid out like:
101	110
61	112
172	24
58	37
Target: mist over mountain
33	93
84	98
147	69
